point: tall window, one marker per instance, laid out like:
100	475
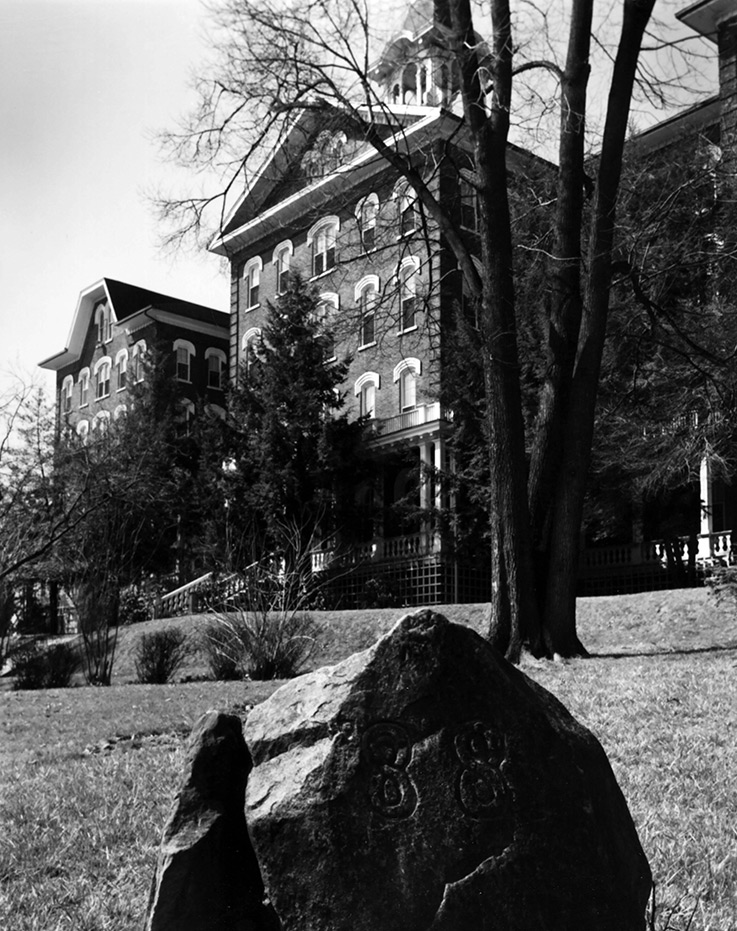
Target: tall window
137	357
103	322
282	261
365	390
121	370
184	353
367	212
407	211
66	394
367	295
405	376
215	368
408	293
326	311
84	387
249	347
251	282
322	239
407	390
102	379
469	206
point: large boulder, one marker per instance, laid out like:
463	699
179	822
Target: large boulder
427	785
207	878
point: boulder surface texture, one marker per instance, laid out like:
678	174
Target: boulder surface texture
207	878
427	785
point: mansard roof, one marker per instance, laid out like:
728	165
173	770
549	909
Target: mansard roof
133	306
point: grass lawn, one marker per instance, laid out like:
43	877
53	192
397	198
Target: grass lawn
87	775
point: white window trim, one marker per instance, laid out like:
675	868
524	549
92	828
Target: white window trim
326	223
120	410
408	363
213	352
249	335
100	418
366	282
409	261
332	298
83	428
285	246
67	393
254	263
404	191
184	344
122	354
367	377
84	373
104	361
139	353
372	198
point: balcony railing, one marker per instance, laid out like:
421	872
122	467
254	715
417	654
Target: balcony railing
418	417
712	548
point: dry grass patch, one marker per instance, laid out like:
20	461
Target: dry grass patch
87	775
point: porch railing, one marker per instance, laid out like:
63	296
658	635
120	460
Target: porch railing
711	548
425	413
422	543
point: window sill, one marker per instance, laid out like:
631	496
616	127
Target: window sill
118	390
101	397
323	274
184	381
366	346
247	310
83	406
410	329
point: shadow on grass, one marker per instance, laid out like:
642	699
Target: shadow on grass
686	651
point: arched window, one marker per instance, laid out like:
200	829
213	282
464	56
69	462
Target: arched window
121	369
282	259
326	311
408	272
406	201
83	429
102	378
252	281
469	205
249	346
185	352
84	387
216	362
366	214
365	390
186	417
120	411
103	322
101	422
321	239
367	295
405	375
138	356
67	388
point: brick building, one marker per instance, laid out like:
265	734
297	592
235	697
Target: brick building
113	327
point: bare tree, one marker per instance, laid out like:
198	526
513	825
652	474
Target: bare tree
275	60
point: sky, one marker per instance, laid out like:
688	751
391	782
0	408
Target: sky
84	85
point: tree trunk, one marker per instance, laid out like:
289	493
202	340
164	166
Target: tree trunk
560	600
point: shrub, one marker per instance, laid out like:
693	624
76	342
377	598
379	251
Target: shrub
135	606
220	646
273	645
37	668
160	655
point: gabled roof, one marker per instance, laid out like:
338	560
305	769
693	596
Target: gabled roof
127	302
705	16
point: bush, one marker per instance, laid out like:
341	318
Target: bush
160	655
259	645
222	654
37	668
135	607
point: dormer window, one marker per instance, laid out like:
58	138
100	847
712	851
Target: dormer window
137	356
103	323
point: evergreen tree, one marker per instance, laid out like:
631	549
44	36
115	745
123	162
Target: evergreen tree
291	457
